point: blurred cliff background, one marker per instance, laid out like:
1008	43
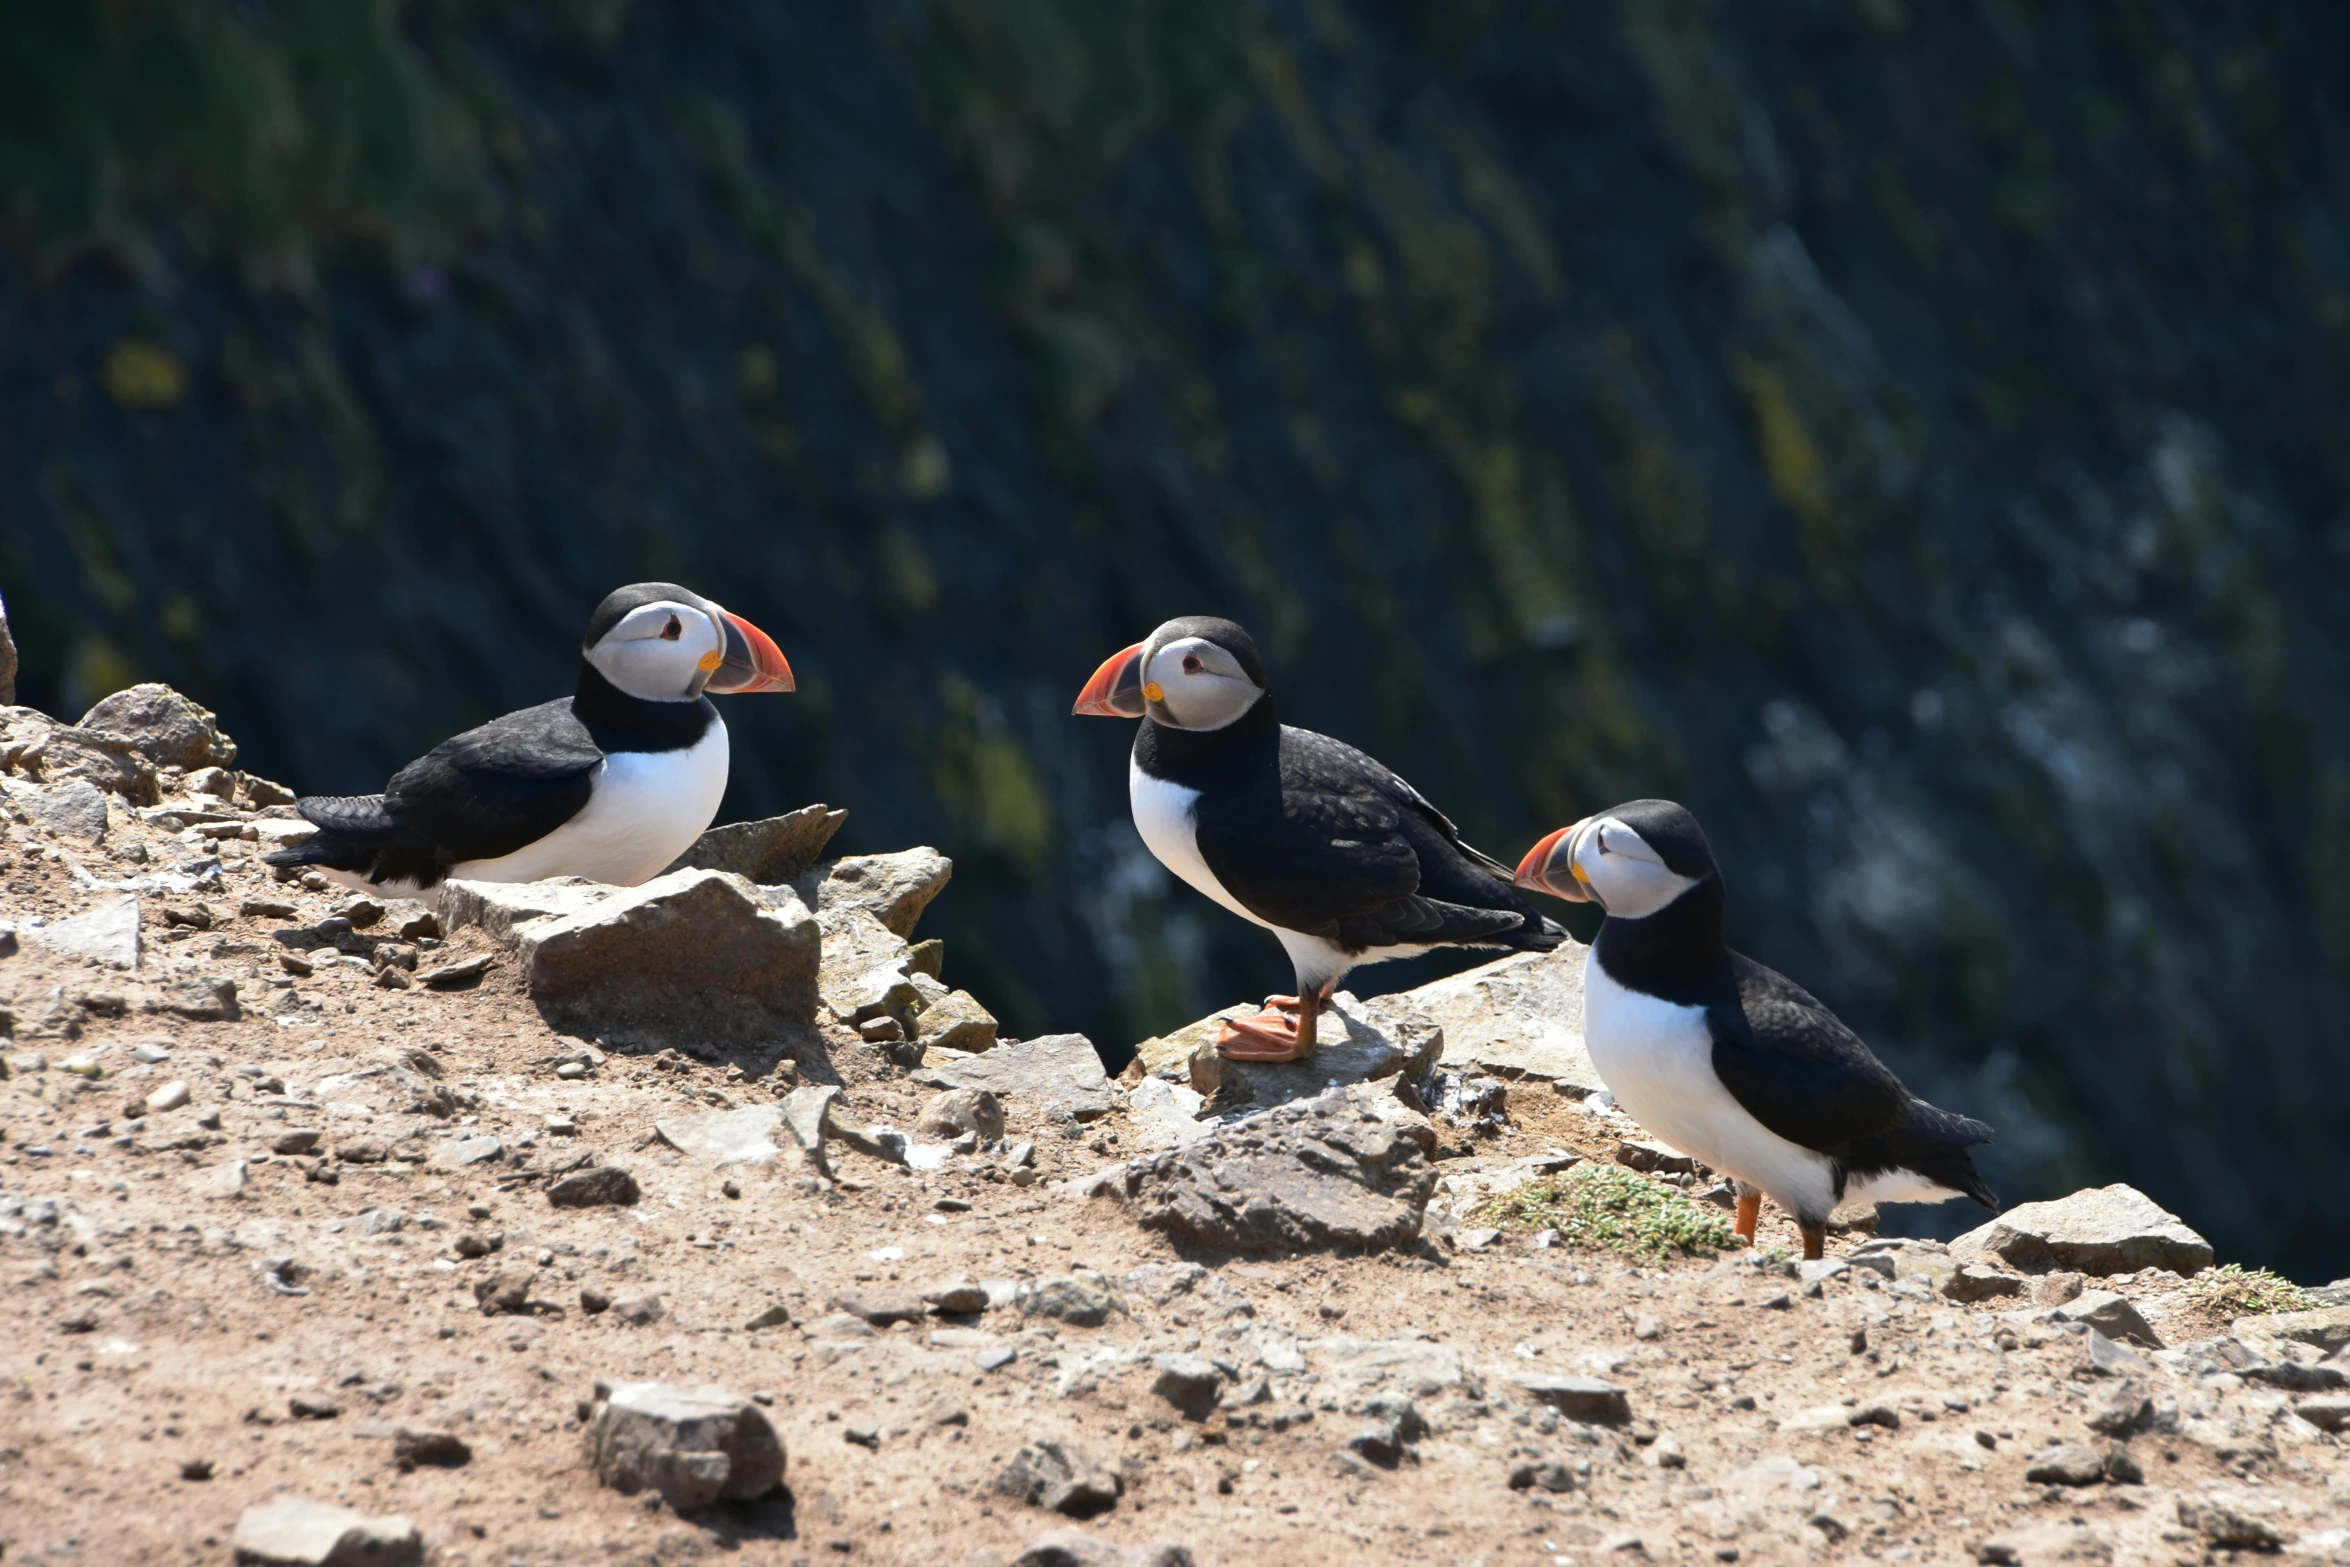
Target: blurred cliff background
1916	435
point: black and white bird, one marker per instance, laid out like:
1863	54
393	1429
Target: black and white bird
1304	835
612	782
1724	1058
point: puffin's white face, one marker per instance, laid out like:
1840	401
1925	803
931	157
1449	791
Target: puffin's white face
1601	860
661	652
1192	683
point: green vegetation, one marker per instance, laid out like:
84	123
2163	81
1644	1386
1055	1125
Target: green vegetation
1611	1208
2248	1292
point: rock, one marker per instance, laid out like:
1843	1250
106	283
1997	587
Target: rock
2113	1315
2228	1525
2066	1463
222	1180
466	1152
693	955
1587	1399
2328	1327
167	728
205	999
1083	1300
1655	1158
1189	1382
415	1449
109	934
637	1310
313	1406
2295	1377
504	1294
1069	1548
293	1531
960	1110
461	971
2045	1545
1319	1175
1516	1017
1162	1113
723	1139
2124	1410
1550	1475
73	810
956	1021
603	1186
2098	1231
1053	1475
1057	1069
99	757
1356	1046
694	1445
302	1140
1972	1282
2106	1358
170	1096
807	1112
893	888
2326	1411
881	1307
956	1298
773	850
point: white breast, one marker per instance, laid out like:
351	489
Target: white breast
1164	814
1657	1059
647	808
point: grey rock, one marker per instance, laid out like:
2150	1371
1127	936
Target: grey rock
605	1185
1654	1157
769	851
1377	1443
1189	1382
170	1096
2228	1525
639	1310
2111	1314
893	888
2326	1411
301	1140
203	999
2294	1377
694	1445
1972	1282
500	909
504	1294
462	1153
293	1531
1082	1299
457	972
1587	1399
881	1307
1057	1069
722	1139
167	728
2097	1231
864	971
109	934
955	1298
807	1114
840	1325
694	955
1318	1175
1059	1477
1550	1475
1069	1548
2327	1328
110	761
1516	1017
1359	1042
2107	1358
955	1021
76	809
2066	1463
413	1448
960	1110
2123	1410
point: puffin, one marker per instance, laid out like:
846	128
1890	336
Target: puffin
1727	1059
611	783
1304	835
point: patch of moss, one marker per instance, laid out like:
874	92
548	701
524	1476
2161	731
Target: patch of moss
1610	1208
2236	1291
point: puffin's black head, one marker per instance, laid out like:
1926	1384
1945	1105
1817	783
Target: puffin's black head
1196	672
1631	860
663	643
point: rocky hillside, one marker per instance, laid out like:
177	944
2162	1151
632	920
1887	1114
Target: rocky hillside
1908	433
337	1233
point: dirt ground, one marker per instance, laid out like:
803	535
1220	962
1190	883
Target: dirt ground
154	1329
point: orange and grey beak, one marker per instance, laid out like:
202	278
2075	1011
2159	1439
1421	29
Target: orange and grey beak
752	663
1550	867
1115	691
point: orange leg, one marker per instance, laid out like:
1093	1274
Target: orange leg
1749	1215
1284	1031
1815	1241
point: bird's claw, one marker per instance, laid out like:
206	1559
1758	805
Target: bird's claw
1267	1038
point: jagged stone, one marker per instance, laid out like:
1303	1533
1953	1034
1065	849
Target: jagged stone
724	1138
863	969
166	727
774	850
603	1186
694	1445
1058	1069
807	1115
293	1531
109	761
1587	1399
74	810
1318	1175
1191	1383
1519	1016
960	1110
2113	1315
2097	1231
1060	1477
956	1021
893	888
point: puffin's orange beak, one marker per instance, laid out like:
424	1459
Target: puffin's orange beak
1115	691
753	662
1549	867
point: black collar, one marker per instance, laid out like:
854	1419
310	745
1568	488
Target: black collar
1677	954
617	721
1199	758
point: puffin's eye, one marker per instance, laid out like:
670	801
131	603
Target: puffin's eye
672	631
1191	663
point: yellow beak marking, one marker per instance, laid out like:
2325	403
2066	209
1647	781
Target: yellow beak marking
1151	691
709	661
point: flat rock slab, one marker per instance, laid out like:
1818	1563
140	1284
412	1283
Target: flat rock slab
2098	1231
775	849
467	1151
1519	1016
109	934
1358	1042
1318	1175
1580	1398
2111	1314
724	1138
296	1532
694	1445
2328	1327
1056	1069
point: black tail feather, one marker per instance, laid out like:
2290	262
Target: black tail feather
1932	1143
357	834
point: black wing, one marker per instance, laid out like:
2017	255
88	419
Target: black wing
495	789
1339	847
1797	1069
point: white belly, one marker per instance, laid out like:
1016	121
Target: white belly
647	808
1163	814
1657	1059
